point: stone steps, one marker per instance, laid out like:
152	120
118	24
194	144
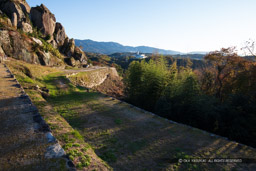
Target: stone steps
24	142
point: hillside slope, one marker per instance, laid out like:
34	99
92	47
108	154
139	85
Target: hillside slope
126	137
113	47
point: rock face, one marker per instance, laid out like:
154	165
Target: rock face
27	28
60	34
43	19
68	47
21	48
24	5
54	151
5	42
80	55
17	11
25	47
72	51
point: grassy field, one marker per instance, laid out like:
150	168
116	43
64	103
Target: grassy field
90	124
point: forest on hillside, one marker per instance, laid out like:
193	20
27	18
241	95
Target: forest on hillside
219	96
121	61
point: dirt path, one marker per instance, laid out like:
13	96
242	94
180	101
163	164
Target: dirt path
25	141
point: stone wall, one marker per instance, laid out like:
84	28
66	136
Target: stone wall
92	78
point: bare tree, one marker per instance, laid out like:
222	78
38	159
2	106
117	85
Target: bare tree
249	47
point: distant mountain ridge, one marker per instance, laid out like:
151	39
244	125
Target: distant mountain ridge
113	47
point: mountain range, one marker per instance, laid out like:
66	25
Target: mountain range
113	47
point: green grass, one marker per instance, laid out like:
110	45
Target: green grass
109	156
118	121
77	135
136	146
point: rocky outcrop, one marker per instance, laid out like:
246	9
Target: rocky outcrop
43	19
13	44
24	5
80	55
68	47
5	42
24	47
17	11
21	48
72	51
27	28
45	58
60	34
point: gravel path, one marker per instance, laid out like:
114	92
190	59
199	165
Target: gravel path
25	140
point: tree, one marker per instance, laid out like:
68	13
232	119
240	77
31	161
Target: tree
225	65
249	47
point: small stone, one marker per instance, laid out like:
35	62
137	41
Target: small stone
17	85
23	96
44	127
54	151
37	118
37	87
50	137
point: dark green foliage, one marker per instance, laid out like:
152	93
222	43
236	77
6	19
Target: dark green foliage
145	82
48	37
109	156
195	98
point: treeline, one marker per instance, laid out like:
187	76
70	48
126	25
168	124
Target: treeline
121	61
219	98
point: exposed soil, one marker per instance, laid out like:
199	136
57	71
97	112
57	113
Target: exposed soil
112	86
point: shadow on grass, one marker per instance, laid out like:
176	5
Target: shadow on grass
137	142
124	135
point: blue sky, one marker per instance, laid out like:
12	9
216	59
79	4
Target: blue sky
181	25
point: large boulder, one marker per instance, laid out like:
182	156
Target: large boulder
43	57
27	28
68	47
75	56
22	48
71	61
43	19
47	59
16	10
5	42
60	34
80	55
